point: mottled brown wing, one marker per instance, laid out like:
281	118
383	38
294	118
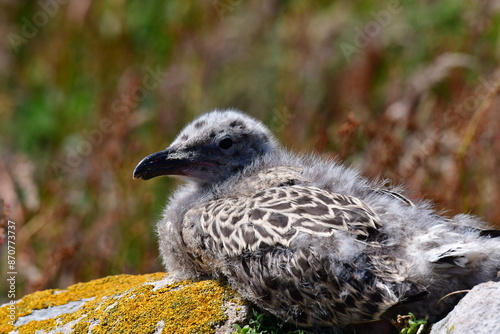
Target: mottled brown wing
278	215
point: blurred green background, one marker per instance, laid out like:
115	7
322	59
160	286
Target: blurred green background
404	90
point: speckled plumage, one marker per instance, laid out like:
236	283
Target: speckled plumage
305	238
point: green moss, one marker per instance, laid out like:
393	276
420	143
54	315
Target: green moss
124	304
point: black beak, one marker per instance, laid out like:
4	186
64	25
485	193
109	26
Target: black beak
160	163
173	161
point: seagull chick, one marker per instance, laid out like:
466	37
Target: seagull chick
306	238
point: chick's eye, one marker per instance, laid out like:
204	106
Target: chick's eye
226	143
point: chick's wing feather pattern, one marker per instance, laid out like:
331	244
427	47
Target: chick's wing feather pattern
276	216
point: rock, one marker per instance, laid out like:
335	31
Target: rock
477	312
152	303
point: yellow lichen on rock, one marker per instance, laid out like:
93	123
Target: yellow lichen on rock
125	304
